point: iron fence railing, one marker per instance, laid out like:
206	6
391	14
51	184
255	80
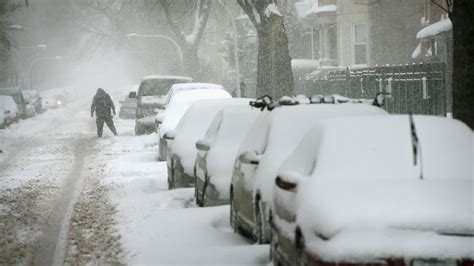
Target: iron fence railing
415	88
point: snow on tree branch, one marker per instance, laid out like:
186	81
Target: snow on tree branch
201	16
257	10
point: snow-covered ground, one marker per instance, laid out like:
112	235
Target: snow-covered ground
166	227
66	196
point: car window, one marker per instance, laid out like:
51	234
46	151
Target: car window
156	87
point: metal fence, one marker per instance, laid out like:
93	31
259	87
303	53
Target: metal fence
416	88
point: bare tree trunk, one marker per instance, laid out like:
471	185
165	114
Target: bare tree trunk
274	74
463	61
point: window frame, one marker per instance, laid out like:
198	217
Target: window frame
354	44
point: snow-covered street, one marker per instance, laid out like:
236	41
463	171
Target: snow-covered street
68	196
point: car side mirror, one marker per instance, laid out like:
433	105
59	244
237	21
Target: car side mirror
287	181
249	157
169	135
159	118
203	145
132	95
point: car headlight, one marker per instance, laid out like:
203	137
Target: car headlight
59	102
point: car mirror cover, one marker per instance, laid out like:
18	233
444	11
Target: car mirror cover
169	135
249	158
203	145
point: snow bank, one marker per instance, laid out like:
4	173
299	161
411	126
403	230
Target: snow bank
182	101
233	122
194	125
158	226
435	29
367	180
276	134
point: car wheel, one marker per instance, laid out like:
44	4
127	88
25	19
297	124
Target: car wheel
273	249
233	214
196	193
170	178
259	223
205	198
300	247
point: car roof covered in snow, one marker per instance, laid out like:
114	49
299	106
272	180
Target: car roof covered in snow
180	87
275	134
182	101
194	125
7	103
358	174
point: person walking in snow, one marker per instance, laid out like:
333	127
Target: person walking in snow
103	105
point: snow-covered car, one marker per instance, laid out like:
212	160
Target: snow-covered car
377	190
33	98
3	118
54	98
180	87
25	109
192	127
177	106
9	110
150	98
128	106
272	137
217	152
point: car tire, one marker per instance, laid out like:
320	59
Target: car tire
300	247
233	214
259	223
196	193
274	249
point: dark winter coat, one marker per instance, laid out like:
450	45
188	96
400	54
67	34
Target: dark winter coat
102	104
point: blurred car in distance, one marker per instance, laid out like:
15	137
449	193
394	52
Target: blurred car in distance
376	190
9	110
177	105
128	106
217	151
270	140
192	127
54	98
25	109
150	97
33	97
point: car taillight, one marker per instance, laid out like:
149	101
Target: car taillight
285	185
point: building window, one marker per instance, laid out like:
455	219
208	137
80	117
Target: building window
360	44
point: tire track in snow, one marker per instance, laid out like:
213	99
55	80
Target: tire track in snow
55	236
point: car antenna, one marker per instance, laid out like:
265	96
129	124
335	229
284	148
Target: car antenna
415	145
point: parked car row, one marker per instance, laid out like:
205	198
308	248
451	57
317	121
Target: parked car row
300	166
327	180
